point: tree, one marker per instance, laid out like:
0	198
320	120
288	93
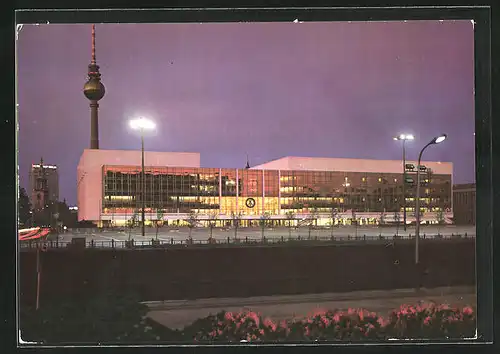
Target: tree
381	219
236	222
312	220
397	219
264	221
131	223
333	215
290	216
53	213
355	221
42	216
440	220
24	204
159	217
192	221
212	222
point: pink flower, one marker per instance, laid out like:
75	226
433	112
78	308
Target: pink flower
319	312
381	321
361	315
228	316
254	317
261	332
269	323
427	321
351	311
467	310
336	317
219	332
254	336
212	334
370	326
219	323
325	320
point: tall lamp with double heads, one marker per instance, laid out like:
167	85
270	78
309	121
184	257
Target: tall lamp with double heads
142	124
436	140
404	138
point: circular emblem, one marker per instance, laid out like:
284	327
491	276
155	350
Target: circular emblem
250	202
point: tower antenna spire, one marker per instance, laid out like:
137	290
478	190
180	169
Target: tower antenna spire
93	45
248	163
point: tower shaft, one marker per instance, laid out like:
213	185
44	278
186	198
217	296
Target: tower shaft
94	125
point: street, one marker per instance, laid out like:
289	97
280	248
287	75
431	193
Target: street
177	314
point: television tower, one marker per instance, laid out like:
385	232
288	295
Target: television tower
94	91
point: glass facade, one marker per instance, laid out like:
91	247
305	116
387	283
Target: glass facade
248	192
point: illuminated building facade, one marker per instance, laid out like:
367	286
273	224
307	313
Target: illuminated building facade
464	202
363	190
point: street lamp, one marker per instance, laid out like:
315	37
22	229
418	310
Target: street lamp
436	140
142	124
404	138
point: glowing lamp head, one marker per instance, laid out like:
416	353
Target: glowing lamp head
439	139
404	137
142	124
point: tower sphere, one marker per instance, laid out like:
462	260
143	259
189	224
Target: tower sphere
94	89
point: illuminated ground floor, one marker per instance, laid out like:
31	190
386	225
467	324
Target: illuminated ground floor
284	219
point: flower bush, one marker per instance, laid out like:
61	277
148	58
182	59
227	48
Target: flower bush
124	320
431	321
415	322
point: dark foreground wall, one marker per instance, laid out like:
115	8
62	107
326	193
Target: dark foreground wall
246	271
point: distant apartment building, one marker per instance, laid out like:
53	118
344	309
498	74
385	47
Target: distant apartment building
44	184
464	204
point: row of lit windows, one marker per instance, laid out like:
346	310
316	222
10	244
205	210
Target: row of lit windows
243	212
286	176
231	180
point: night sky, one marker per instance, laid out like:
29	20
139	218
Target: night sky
267	89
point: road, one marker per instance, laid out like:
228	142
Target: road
177	314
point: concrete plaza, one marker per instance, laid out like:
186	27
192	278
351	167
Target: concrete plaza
166	235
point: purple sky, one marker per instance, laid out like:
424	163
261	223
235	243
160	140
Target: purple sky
266	89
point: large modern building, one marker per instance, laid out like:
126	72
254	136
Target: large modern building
110	193
464	202
44	181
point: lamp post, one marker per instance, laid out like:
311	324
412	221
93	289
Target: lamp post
436	140
142	124
404	138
